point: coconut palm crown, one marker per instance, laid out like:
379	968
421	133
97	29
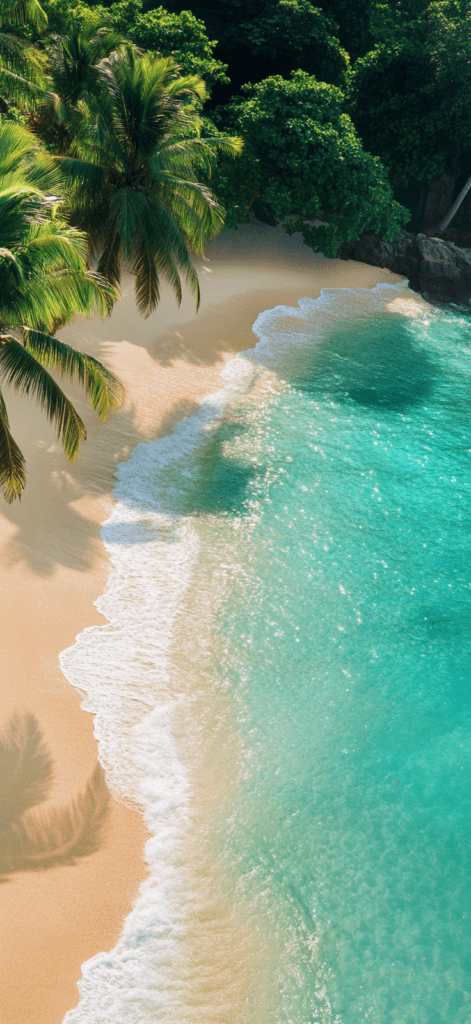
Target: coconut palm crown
134	174
44	281
74	58
22	76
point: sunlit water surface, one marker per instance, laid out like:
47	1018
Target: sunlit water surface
314	519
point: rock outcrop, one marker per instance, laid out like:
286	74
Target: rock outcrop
439	270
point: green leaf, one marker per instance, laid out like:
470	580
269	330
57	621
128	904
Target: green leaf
12	463
21	370
104	391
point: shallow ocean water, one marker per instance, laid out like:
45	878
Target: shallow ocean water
290	628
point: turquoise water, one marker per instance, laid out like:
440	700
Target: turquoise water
316	529
346	644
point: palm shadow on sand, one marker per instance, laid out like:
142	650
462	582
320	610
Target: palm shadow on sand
32	839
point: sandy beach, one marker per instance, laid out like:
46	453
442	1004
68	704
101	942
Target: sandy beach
54	566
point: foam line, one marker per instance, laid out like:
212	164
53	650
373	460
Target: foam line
125	667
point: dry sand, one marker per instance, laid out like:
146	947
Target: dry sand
53	567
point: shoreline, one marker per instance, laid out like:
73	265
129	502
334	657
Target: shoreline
54	567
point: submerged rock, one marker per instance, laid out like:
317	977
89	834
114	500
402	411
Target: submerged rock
439	270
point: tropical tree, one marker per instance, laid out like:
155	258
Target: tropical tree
134	174
304	165
74	58
291	34
181	36
21	68
44	281
411	96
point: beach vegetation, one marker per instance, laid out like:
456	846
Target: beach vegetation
278	36
169	34
22	77
303	164
44	282
292	34
411	94
134	169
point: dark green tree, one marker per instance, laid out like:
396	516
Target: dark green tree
304	164
353	19
276	36
412	95
180	36
292	34
21	68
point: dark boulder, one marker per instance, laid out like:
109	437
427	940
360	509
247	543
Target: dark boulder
439	270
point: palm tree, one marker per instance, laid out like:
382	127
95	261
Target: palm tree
74	59
22	12
70	75
44	281
21	67
134	172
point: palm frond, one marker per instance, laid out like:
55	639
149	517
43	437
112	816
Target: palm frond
109	265
194	207
167	243
11	273
12	463
20	12
147	281
103	389
22	371
128	207
82	172
24	165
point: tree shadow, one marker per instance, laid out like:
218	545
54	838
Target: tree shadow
218	482
32	840
206	480
56	523
218	329
374	363
53	525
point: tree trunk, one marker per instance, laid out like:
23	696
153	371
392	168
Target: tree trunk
454	207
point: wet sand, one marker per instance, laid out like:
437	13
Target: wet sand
53	566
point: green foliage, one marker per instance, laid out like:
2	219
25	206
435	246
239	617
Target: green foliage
275	36
21	68
412	95
22	12
304	162
74	58
353	18
181	36
61	12
44	281
293	34
133	172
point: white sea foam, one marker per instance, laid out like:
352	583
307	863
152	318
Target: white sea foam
126	668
